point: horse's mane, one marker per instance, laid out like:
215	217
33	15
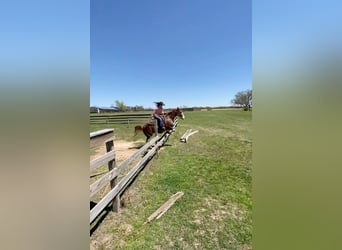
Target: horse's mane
170	112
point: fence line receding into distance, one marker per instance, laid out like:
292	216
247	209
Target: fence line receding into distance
118	183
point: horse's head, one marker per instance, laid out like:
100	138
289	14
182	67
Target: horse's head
175	113
180	113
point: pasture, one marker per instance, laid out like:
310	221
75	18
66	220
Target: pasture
213	169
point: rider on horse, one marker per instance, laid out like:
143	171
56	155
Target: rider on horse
157	114
166	122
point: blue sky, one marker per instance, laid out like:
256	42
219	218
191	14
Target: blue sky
185	53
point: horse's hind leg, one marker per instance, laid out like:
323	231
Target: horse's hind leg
147	136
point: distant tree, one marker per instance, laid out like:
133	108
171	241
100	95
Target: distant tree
138	108
120	105
243	99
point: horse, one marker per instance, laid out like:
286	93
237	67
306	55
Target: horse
168	119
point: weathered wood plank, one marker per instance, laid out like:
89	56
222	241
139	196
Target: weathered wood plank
103	181
98	138
122	184
193	132
162	209
111	163
170	203
113	182
116	200
187	134
98	162
101	132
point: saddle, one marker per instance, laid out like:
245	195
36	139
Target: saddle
167	123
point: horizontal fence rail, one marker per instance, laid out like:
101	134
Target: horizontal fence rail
98	162
122	118
98	138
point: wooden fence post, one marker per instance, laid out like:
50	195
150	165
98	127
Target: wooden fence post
111	165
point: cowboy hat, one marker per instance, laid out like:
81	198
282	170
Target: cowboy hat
159	103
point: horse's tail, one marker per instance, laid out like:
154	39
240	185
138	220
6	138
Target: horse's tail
137	129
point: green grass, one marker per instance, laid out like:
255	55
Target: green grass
213	170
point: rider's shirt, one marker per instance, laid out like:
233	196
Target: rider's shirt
158	111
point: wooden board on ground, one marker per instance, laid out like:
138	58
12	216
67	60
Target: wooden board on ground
162	210
186	135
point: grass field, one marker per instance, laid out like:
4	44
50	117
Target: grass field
213	170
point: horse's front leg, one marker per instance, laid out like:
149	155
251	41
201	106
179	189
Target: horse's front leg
172	127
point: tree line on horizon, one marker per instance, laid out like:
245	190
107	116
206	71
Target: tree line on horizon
243	99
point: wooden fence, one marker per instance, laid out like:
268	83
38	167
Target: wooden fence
141	117
118	186
120	118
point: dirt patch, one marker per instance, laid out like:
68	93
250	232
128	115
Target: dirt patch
216	212
123	149
126	229
210	220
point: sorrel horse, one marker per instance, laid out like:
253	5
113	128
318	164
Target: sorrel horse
168	119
